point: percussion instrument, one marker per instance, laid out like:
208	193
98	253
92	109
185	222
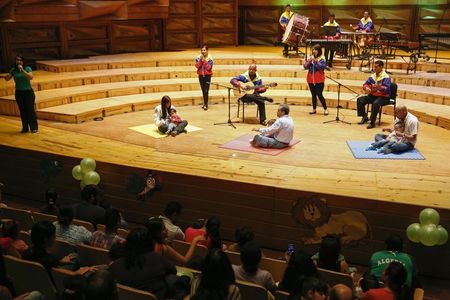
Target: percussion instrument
295	30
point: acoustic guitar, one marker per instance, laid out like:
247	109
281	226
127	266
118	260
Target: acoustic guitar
248	88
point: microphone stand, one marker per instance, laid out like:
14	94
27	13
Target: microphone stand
339	99
229	105
437	40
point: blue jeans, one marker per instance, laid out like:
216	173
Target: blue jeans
383	143
397	147
268	142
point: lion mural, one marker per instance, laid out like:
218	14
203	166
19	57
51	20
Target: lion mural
314	212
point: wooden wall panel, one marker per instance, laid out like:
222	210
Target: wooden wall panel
181	29
266	209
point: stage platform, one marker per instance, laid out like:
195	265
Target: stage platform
243	187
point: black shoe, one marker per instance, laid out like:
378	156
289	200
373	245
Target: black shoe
313	112
269	99
34	131
364	120
24	131
370	126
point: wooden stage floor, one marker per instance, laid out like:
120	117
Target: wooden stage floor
321	162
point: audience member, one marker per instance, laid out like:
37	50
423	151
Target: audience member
310	288
9	241
43	236
395	287
381	259
89	208
69	232
217	280
105	239
101	286
300	265
74	288
341	292
249	269
329	256
171	214
142	268
242	235
211	231
158	233
368	281
51	197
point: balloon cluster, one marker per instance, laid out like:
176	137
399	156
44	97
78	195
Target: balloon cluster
428	232
85	172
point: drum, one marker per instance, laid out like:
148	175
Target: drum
295	30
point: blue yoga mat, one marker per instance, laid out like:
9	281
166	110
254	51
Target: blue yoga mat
358	149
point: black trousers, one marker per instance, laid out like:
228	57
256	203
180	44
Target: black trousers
25	101
376	102
329	54
316	91
259	100
204	84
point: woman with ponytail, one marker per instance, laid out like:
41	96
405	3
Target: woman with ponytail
69	232
395	287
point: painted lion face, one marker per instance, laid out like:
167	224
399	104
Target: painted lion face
311	211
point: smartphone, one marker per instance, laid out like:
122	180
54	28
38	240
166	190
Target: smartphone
290	248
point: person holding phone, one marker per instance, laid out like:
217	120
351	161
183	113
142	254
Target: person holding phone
24	94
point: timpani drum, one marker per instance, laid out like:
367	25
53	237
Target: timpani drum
295	30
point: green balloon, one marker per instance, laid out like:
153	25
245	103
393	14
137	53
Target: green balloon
429	216
413	232
87	164
82	184
91	177
77	173
429	235
443	235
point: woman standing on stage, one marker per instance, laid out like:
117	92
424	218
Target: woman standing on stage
204	65
316	65
24	94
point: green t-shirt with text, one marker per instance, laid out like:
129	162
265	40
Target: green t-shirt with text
381	259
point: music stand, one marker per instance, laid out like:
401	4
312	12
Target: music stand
228	122
389	37
339	100
328	31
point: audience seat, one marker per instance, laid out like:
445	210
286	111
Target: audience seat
333	278
280	295
37	216
89	226
91	256
234	257
129	293
276	267
25	236
61	248
22	216
182	247
123	233
253	291
29	276
419	294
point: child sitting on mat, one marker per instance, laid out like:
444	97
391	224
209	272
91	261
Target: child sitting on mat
173	121
384	145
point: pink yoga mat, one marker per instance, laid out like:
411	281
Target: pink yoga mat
242	144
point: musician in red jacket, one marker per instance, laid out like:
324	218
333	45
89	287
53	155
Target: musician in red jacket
204	65
252	76
316	64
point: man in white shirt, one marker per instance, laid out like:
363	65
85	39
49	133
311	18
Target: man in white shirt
171	213
411	124
279	134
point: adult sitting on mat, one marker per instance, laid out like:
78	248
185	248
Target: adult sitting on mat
409	136
279	134
378	89
162	117
252	76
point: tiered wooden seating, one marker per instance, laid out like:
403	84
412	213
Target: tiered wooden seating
61	248
253	291
22	216
120	232
59	275
37	216
182	247
91	256
29	276
333	278
129	293
280	295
